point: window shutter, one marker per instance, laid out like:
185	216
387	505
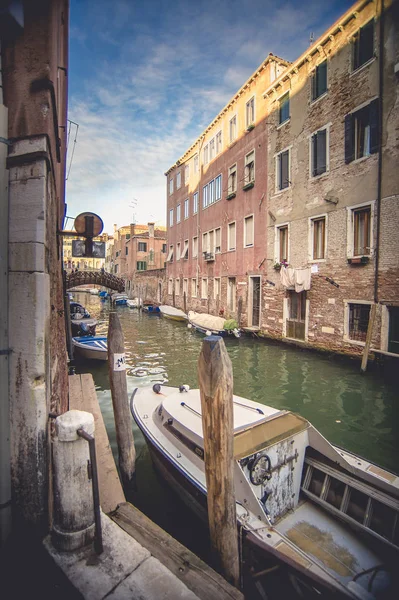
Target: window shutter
314	155
349	145
321	152
374	129
322	82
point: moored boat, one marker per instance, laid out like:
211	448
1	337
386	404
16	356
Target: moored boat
133	302
151	309
83	327
170	312
328	516
91	347
119	299
212	325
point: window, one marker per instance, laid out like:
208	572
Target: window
205	242
358	321
284	108
142	247
211	241
177	287
361	132
319	154
283	170
206	154
178	213
363	45
186	209
141	265
127	237
250	112
116	268
178	246
164	248
232	183
218	240
318	238
212	149
233	128
178	180
249	168
218	142
282	244
362	231
216	288
319	80
185	250
248	231
195	203
218	188
195	247
196	163
170	186
126	250
170	286
205	196
204	288
186	173
231	236
170	255
185	287
194	288
211	192
171	217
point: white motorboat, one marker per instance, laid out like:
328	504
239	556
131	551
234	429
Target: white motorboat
212	325
94	291
133	302
175	314
328	516
91	347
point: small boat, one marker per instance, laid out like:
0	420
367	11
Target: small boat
78	311
119	299
133	302
151	309
170	312
212	325
103	294
91	347
83	327
329	517
94	291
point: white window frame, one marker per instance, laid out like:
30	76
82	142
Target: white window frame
212	149
217	198
253	231
215	294
177	286
230	190
277	170
204	279
195	203
186	173
178	251
170	254
350	230
185	250
205	196
277	241
170	287
249	122
186	208
205	242
211	192
219	142
185	286
171	217
193	287
311	240
178	213
231	140
246	177
220	247
346	337
235	236
196	163
326	172
178	180
195	246
170	186
206	154
229	296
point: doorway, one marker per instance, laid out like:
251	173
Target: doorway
296	315
254	302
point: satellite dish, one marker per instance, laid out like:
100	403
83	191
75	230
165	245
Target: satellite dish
88	224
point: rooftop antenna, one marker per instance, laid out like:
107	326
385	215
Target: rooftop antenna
311	38
133	206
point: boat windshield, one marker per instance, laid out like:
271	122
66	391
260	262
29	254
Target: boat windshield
266	433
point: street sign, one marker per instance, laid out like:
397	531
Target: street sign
88	224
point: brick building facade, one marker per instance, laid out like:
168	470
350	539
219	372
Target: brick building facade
324	205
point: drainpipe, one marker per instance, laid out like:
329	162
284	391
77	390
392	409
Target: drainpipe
5	473
380	125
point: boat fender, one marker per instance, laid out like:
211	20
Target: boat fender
208	333
260	470
184	388
156	388
189	326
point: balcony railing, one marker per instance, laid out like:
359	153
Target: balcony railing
209	256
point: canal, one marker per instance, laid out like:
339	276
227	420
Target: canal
357	412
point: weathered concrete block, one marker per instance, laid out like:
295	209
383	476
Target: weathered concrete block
28	199
28	257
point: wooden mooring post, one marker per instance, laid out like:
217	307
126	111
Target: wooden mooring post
215	376
118	385
185	302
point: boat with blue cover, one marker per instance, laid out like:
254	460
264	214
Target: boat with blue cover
91	347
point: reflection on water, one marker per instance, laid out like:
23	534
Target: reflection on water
357	412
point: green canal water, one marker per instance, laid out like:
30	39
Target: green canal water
358	412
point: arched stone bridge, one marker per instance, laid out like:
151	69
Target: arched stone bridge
95	277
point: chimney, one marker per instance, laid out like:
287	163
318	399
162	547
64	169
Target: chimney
132	229
151	227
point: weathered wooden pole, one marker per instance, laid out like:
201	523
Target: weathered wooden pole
185	302
217	304
68	326
118	385
173	297
369	335
215	376
239	311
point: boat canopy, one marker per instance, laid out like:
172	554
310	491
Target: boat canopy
268	432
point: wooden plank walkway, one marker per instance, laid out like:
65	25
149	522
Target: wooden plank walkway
191	570
83	396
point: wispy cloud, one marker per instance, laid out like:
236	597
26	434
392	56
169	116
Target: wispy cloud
145	78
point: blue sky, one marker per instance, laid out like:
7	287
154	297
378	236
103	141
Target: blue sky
146	77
